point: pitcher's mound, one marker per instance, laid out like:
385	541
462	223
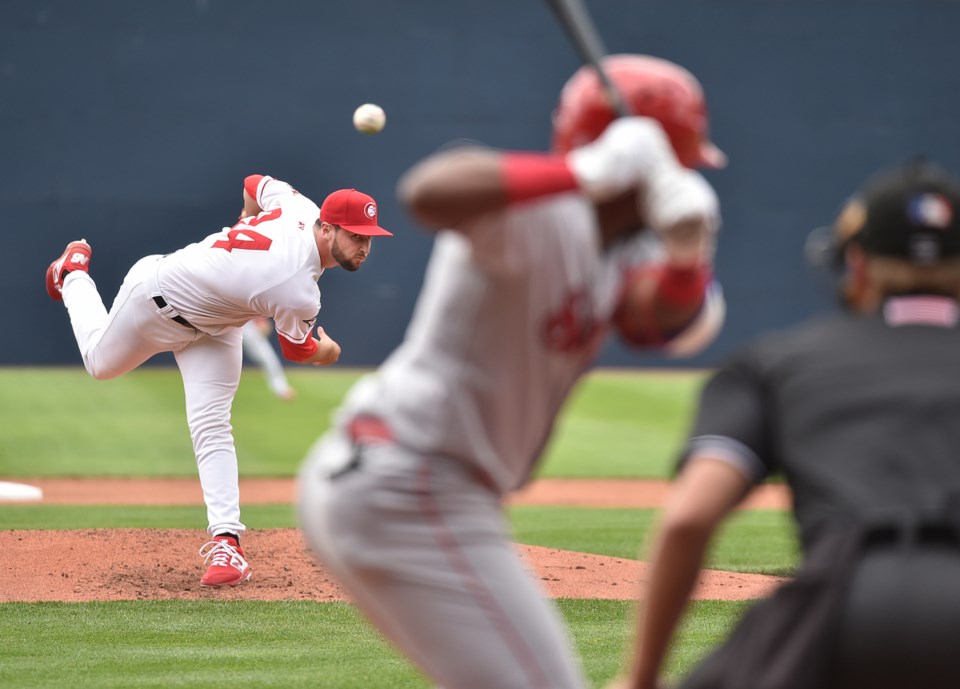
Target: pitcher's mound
146	564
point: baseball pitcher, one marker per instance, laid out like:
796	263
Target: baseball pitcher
195	302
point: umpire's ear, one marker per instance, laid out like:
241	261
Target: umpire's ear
854	279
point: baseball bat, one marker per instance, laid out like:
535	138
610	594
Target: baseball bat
582	31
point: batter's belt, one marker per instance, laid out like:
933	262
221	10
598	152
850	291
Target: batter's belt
366	429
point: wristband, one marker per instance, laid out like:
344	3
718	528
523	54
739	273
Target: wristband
250	184
297	351
682	287
528	176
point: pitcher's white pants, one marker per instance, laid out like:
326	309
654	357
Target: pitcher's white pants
424	550
134	330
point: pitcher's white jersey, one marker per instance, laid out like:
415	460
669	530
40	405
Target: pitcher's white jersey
513	310
266	265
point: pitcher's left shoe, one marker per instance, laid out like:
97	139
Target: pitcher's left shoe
75	257
228	565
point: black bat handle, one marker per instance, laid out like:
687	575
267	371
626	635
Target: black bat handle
582	31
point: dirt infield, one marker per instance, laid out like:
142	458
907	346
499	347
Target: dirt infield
142	564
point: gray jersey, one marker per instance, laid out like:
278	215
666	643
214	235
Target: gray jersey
513	310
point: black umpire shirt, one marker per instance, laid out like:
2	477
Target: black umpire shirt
860	414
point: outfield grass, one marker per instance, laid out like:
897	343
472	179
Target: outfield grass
202	644
623	424
61	422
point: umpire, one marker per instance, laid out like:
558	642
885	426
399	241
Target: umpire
861	414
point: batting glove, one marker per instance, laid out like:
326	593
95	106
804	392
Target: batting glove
683	210
622	158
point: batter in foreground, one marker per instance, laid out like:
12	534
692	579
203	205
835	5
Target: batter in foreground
537	258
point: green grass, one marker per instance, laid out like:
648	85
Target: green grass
194	644
705	625
61	422
623	424
761	542
202	644
40	516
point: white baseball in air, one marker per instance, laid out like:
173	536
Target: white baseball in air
369	118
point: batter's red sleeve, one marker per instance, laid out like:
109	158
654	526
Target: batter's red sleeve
528	176
297	351
684	287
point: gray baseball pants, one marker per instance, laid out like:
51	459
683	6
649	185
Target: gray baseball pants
424	550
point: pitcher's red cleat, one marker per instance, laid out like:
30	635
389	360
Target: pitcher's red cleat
75	257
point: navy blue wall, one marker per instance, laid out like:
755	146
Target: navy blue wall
133	124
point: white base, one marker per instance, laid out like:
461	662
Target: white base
19	491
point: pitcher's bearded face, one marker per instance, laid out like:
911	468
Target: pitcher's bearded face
350	250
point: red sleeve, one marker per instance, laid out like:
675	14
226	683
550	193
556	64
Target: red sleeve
529	176
250	184
297	352
675	289
684	287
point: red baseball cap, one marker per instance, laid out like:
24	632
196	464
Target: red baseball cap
354	211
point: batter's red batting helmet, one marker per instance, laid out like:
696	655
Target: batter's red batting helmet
650	87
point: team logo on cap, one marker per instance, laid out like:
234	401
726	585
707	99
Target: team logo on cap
930	210
370	210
